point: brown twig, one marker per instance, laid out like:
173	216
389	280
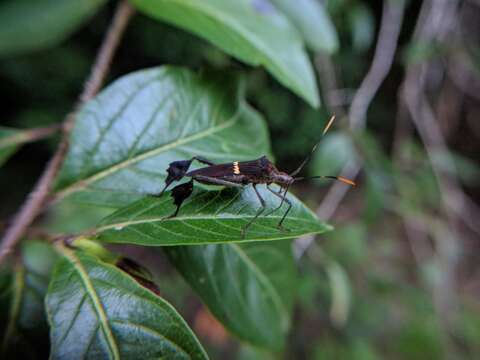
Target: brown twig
391	24
30	135
38	196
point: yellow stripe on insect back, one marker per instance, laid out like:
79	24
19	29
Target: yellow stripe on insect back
236	168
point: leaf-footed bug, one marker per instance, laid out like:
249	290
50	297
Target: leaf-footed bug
239	174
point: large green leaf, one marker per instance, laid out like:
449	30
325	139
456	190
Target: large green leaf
26	330
311	18
98	311
207	217
125	138
248	287
252	31
27	25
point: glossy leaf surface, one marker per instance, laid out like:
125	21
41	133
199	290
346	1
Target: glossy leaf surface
98	311
125	138
207	217
27	25
248	287
252	31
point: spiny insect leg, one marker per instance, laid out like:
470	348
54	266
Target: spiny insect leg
259	212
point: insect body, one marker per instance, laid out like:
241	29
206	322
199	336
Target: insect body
237	174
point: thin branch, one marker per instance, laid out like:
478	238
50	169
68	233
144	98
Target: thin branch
39	195
29	135
391	24
105	55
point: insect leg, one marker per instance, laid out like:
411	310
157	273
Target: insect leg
284	198
286	212
278	194
179	194
203	160
177	170
259	212
215	181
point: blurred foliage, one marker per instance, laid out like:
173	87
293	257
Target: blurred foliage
392	309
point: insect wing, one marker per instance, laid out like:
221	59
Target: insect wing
257	167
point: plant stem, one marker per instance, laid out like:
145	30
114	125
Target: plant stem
37	198
29	135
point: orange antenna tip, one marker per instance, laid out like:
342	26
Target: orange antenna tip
346	181
330	122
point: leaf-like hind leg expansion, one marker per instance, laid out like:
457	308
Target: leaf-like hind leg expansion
179	194
177	170
284	199
259	212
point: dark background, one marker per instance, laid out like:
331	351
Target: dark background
399	277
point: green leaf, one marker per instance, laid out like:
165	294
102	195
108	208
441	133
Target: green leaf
313	22
26	329
125	138
248	287
252	31
28	25
333	153
97	311
207	217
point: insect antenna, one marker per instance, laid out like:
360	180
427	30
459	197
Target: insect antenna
307	159
338	178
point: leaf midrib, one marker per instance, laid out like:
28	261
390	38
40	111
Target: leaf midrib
183	218
161	301
126	163
97	305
